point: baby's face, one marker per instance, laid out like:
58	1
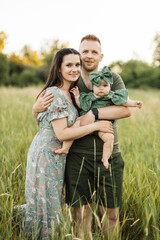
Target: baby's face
102	90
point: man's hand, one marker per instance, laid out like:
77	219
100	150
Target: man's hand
87	118
43	102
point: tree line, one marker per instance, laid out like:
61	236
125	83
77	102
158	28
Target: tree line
31	68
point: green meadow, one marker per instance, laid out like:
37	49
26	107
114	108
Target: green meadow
139	138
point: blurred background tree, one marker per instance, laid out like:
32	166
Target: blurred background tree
32	68
49	50
29	67
4	69
47	53
137	73
156	53
3	38
30	57
3	60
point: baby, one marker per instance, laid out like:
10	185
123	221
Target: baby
101	96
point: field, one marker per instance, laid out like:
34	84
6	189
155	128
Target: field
139	136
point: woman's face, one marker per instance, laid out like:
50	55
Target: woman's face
70	68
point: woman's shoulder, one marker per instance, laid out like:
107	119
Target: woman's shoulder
56	92
52	89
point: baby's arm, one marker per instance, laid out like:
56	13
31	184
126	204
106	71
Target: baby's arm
75	92
133	103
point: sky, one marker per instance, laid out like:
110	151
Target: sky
126	28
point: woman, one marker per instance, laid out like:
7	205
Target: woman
45	169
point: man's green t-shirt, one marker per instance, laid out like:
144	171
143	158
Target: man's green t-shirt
91	143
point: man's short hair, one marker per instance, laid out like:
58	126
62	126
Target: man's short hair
91	37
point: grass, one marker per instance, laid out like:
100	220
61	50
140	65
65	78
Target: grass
140	145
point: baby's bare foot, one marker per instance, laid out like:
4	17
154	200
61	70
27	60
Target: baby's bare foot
61	151
106	163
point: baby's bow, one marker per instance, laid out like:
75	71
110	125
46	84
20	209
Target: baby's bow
105	74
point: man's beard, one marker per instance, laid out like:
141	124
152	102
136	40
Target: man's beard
89	69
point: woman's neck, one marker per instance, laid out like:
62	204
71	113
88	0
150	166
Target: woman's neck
65	90
65	87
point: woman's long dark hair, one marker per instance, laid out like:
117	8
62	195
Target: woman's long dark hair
55	77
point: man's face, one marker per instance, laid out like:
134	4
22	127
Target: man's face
91	55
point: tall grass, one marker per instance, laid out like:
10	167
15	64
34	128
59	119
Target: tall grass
140	145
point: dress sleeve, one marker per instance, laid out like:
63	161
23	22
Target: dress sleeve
120	96
58	108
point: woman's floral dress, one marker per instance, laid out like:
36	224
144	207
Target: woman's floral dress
45	169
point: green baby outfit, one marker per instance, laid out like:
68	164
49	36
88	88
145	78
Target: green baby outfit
96	77
89	100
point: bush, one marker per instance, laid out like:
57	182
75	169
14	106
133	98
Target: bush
42	72
136	74
3	69
14	79
16	67
27	78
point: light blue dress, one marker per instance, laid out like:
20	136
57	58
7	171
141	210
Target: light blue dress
45	169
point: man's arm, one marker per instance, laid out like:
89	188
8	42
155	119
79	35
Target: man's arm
43	101
113	112
108	113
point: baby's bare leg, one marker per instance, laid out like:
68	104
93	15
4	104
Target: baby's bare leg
67	144
108	140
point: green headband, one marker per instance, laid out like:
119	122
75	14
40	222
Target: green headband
105	74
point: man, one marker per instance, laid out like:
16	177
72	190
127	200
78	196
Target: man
86	177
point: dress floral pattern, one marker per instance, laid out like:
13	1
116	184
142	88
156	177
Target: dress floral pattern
45	169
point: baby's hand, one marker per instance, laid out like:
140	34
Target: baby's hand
75	91
139	104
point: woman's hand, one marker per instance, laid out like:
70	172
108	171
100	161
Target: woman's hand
43	102
104	126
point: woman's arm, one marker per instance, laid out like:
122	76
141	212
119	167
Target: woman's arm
64	133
